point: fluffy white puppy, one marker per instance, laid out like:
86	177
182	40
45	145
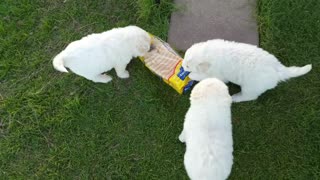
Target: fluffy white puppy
207	132
253	68
97	53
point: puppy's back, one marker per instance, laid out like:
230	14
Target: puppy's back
209	148
209	132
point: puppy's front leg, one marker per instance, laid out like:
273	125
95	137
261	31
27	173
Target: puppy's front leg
121	71
182	137
196	76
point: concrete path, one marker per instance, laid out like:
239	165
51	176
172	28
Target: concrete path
201	20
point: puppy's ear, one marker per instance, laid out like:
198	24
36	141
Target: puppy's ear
144	44
143	48
203	67
197	94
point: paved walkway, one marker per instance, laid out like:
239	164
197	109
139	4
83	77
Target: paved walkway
201	20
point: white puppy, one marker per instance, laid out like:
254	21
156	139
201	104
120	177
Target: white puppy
97	53
254	69
207	132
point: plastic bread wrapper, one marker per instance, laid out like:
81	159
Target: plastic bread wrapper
163	61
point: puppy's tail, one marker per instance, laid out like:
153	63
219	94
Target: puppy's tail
293	71
58	63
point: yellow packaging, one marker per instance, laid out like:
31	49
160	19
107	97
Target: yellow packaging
163	61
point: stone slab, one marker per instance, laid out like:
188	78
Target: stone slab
201	20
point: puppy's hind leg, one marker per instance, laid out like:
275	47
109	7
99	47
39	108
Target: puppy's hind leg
101	78
121	71
252	91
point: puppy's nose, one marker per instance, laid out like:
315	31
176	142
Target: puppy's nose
152	47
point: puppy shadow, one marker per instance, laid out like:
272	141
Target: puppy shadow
233	88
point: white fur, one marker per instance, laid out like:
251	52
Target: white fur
253	68
207	132
97	53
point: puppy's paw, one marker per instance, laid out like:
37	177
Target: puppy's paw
241	98
102	78
191	76
181	138
236	98
124	75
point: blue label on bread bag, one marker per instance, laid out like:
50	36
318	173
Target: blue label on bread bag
188	86
182	73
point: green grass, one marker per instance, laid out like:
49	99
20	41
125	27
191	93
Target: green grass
58	125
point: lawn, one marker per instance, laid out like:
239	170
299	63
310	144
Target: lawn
62	126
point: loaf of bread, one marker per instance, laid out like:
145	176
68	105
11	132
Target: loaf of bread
163	61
